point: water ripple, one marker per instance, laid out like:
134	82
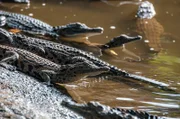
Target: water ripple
167	94
168	105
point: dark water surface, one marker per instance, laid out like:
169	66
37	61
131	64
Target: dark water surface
118	20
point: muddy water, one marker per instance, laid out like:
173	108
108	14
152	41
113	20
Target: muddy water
117	19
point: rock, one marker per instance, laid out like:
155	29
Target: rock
23	97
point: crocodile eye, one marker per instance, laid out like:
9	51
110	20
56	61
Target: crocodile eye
77	26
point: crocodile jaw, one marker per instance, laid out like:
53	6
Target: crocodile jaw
92	72
82	35
91	32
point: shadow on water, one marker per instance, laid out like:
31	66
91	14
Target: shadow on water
164	66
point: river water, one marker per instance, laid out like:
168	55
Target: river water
118	17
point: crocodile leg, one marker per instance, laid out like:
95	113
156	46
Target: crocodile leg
10	58
130	54
45	75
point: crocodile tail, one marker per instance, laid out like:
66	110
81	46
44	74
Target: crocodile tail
154	82
119	72
114	71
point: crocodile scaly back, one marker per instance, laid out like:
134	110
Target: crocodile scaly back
27	24
149	27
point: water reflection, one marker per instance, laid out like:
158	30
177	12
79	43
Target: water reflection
165	99
167	94
124	99
170	105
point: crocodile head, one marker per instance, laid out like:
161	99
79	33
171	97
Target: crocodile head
2	20
146	10
120	40
88	68
5	36
77	30
81	70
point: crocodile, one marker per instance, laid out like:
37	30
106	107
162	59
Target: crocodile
62	54
98	49
149	27
95	110
68	33
37	27
44	69
23	97
113	43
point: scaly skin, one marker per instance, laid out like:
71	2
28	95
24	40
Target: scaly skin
35	26
149	27
67	33
95	110
63	54
119	41
46	70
